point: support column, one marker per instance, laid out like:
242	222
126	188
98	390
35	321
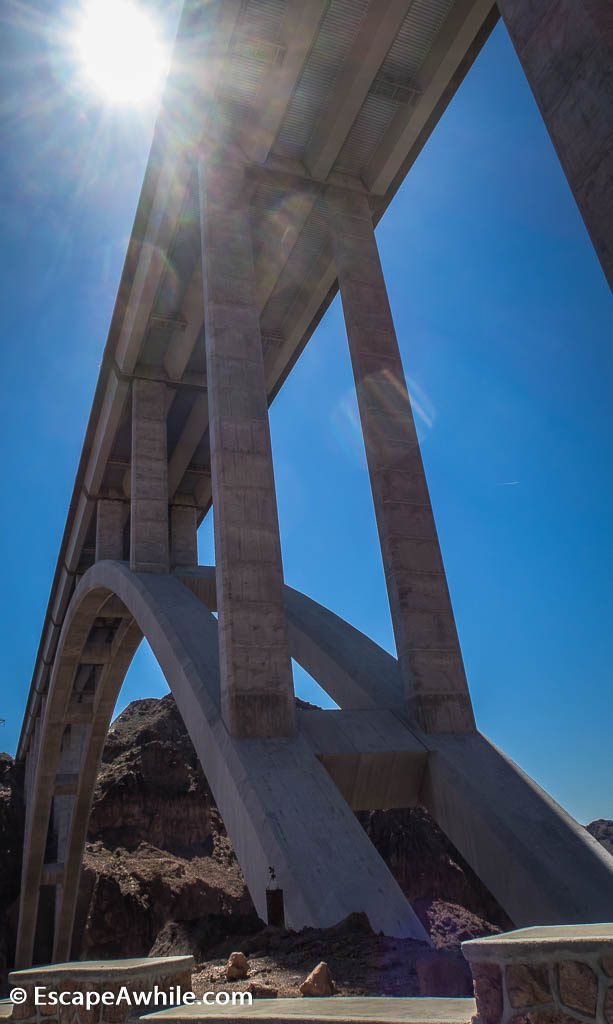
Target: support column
149	478
183	535
256	675
566	50
71	756
110	520
422	616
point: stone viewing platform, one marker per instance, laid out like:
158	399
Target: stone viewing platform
332	1010
100	976
544	975
549	975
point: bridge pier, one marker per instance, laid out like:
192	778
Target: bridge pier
256	675
183	534
424	625
64	798
110	522
566	50
149	544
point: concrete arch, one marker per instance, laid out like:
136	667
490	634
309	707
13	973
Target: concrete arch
279	805
350	667
538	862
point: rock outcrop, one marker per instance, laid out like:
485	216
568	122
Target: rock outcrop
602	830
159	870
432	873
11	839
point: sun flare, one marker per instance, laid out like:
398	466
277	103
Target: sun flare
118	47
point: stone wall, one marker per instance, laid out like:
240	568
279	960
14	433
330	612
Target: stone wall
168	974
552	975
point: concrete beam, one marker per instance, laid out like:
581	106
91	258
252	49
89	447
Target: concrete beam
181	346
257	684
111	517
183	535
298	32
187	443
52	874
79	712
282	231
379	29
540	864
459	30
96	654
66	783
373	759
566	50
149	550
113	608
422	616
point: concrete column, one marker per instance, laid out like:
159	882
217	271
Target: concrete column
110	519
566	50
149	478
31	758
62	808
183	535
424	626
256	676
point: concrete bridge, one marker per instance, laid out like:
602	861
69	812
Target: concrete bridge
286	128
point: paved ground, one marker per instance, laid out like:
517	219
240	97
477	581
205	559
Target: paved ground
361	1010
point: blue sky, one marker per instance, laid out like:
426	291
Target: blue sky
505	324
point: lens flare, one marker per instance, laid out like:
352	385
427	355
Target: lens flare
120	53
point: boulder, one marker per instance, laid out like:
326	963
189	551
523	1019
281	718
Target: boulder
237	966
319	982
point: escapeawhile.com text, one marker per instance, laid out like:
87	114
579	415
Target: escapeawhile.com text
174	996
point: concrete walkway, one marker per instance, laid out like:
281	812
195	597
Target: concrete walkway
340	1010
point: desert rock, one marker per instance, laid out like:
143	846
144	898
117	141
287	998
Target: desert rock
319	982
237	966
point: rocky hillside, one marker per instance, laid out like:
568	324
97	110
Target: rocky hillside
602	830
158	861
160	867
160	875
11	837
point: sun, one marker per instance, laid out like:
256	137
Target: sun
121	55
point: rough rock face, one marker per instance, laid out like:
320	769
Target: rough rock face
602	830
11	838
431	872
159	871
